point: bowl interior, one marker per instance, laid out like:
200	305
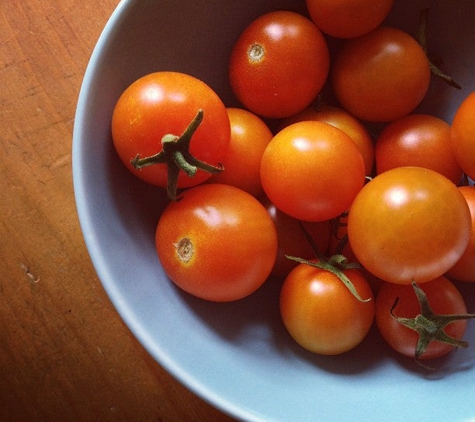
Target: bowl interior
238	356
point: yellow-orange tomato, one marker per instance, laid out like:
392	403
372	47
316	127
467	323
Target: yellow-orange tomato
409	224
344	121
348	18
242	162
463	135
464	269
279	64
312	171
217	242
417	140
320	312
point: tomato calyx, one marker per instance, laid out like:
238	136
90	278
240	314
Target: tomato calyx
429	325
336	265
422	38
176	155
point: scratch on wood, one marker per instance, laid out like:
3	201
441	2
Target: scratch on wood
31	277
61	161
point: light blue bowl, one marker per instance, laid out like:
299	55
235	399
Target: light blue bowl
238	356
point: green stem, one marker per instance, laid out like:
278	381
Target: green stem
176	155
336	265
429	325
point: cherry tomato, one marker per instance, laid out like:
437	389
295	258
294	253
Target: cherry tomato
320	312
250	136
381	76
409	224
444	299
312	171
417	140
279	64
344	121
217	243
463	135
165	103
348	18
464	269
292	238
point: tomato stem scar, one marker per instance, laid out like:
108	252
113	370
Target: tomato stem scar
184	249
256	53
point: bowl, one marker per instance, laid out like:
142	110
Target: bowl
238	356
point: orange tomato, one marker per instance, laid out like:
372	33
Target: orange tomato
344	121
417	140
250	136
217	242
463	135
464	269
409	224
279	64
348	18
381	76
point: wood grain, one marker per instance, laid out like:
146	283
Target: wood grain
65	354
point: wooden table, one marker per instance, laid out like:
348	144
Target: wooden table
65	354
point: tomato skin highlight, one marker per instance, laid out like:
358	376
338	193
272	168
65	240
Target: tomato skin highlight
463	135
443	297
409	224
344	121
230	241
417	140
164	103
321	314
312	171
381	76
279	64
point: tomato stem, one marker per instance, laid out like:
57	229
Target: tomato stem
422	37
429	325
176	155
335	265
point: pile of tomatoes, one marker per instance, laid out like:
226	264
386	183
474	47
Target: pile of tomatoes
359	228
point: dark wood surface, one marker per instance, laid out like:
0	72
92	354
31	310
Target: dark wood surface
65	354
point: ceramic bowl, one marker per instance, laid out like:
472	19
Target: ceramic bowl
238	356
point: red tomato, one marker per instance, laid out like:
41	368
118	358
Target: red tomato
409	224
464	269
279	64
348	18
381	76
292	239
217	243
165	103
417	140
344	121
320	312
443	298
463	135
242	163
312	171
